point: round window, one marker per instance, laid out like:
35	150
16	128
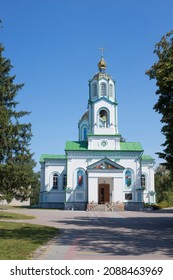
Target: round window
103	143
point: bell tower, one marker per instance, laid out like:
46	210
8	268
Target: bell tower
99	125
102	111
102	104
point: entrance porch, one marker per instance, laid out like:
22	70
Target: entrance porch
105	182
106	189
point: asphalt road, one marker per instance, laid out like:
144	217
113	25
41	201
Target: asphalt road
106	235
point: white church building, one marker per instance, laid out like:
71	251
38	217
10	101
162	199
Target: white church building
98	168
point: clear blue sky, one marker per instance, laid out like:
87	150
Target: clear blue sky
54	48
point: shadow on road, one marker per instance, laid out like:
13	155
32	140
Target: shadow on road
120	236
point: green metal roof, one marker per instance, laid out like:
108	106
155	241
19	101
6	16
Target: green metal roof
48	156
76	146
131	146
147	158
83	146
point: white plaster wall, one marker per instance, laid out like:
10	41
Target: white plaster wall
117	195
145	197
92	189
94	143
149	171
102	103
150	187
81	160
72	166
78	193
49	170
134	165
104	130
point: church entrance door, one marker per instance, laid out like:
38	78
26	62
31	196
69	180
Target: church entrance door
104	193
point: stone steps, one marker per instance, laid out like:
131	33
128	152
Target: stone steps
107	207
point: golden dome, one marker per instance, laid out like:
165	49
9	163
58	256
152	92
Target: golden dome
102	64
85	116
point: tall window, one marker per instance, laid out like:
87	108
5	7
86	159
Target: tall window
80	178
64	182
111	90
143	181
55	181
94	90
128	178
103	89
85	134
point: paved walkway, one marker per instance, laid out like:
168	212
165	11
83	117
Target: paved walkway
105	235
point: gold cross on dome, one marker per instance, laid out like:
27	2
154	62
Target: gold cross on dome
102	51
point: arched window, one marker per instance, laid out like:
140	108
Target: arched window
85	134
103	89
64	180
55	181
128	178
94	90
111	90
103	118
80	178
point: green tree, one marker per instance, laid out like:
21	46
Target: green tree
16	162
162	72
163	185
35	189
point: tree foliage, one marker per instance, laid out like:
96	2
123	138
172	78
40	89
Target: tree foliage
163	185
162	72
16	163
35	190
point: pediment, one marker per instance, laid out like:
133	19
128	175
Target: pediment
105	98
105	164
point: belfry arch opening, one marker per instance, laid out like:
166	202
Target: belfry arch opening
103	118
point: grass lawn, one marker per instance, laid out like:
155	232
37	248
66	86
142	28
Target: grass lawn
8	215
18	241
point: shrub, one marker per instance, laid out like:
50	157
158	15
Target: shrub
164	204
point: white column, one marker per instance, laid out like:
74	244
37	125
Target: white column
118	189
